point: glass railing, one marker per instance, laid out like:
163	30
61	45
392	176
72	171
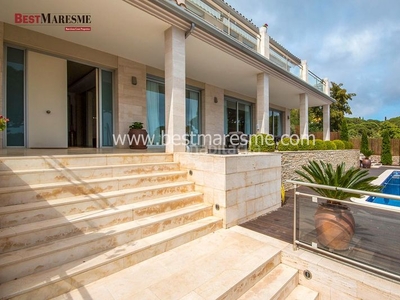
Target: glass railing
359	233
234	30
315	81
284	62
222	22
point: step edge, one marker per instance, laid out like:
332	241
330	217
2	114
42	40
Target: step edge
106	232
82	198
24	188
70	219
48	280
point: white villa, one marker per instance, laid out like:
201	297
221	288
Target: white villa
83	216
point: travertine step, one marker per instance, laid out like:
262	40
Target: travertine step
13	215
222	265
33	234
69	161
58	174
59	280
27	261
277	284
302	293
39	192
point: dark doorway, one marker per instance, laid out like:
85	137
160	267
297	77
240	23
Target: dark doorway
82	105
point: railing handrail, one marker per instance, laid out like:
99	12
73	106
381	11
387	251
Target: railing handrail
316	77
336	188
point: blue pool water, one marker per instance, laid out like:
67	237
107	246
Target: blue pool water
391	185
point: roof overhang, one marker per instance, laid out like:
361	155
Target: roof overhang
134	29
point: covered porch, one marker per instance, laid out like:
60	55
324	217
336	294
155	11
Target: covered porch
160	39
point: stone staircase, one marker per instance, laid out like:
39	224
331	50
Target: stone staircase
69	220
72	224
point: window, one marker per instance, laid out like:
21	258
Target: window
237	116
107	108
193	115
156	112
15	97
275	122
155	97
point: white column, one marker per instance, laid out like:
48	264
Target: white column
287	121
175	90
263	103
304	70
303	116
264	42
327	122
327	88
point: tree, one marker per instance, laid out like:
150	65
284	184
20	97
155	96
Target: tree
392	129
341	106
338	109
364	148
386	157
344	133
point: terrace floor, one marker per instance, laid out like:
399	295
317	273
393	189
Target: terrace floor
376	241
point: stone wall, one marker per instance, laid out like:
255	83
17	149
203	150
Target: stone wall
240	187
131	99
395	159
335	280
293	160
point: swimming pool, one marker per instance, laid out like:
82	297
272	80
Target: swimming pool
391	185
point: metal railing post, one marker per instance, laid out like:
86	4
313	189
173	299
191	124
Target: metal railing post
294	217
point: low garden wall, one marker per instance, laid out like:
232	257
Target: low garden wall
240	187
293	160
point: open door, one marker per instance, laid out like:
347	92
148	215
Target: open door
82	105
46	101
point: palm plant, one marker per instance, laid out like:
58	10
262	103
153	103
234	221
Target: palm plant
324	174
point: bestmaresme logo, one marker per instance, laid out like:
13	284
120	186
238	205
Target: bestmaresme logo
75	22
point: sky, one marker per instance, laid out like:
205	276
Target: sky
354	42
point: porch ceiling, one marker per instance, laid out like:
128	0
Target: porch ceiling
123	30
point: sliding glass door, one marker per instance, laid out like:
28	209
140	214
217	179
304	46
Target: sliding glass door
238	116
15	97
155	96
275	122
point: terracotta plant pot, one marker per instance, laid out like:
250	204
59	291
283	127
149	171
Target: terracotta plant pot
138	138
366	162
335	226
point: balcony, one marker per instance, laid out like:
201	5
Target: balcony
223	21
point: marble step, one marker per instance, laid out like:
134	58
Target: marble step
18	214
69	161
27	261
302	293
40	192
62	279
59	174
33	234
221	265
278	284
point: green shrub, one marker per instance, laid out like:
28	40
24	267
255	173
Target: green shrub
364	142
348	145
288	144
330	145
262	142
319	145
306	144
344	131
339	144
386	157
